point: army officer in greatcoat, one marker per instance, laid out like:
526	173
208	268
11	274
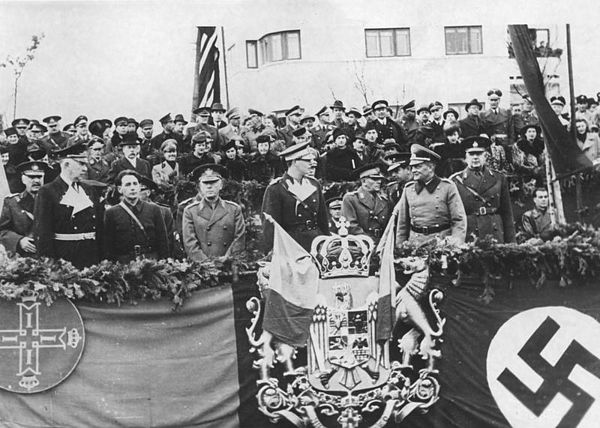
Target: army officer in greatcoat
16	221
68	214
212	227
484	193
296	201
367	209
430	206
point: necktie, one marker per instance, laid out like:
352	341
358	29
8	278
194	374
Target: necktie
75	187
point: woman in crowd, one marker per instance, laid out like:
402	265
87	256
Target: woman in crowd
167	173
587	141
236	167
528	154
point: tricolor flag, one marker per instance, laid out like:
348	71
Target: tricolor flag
292	293
387	281
207	89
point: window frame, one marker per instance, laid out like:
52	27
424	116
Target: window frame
469	28
394	31
253	43
285	51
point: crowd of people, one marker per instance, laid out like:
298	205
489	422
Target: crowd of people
84	191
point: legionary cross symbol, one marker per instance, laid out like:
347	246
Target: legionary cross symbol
37	350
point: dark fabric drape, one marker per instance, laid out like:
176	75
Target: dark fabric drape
567	157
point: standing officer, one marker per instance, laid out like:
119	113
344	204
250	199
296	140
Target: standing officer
386	128
430	206
498	121
134	228
212	227
68	215
366	209
399	174
168	133
484	194
334	206
295	200
16	221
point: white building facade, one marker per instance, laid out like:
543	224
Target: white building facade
400	51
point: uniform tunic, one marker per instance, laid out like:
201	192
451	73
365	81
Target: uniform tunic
211	231
538	224
57	214
489	209
367	213
123	234
16	222
98	170
303	218
436	204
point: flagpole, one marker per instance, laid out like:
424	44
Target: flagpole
196	95
578	191
225	66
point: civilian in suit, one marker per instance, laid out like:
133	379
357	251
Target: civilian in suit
386	128
130	159
472	125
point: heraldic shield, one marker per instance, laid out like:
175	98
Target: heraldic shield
343	344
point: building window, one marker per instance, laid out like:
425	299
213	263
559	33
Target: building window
280	46
387	42
251	54
463	40
542	46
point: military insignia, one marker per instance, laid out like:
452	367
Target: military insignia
40	346
351	377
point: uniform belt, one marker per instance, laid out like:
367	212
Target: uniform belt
306	225
74	236
428	230
485	211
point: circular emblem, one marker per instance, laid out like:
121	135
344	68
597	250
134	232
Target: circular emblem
543	369
40	345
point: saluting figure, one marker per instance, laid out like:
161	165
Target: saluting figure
484	193
212	227
16	221
296	201
430	206
367	210
68	215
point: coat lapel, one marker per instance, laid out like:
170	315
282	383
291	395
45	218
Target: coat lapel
367	200
218	213
488	181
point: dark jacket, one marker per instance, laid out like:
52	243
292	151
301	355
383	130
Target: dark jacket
303	220
57	216
340	163
190	161
16	222
142	167
123	234
388	129
236	168
368	214
471	126
264	168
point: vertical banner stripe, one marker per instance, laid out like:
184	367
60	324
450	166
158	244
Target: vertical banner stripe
206	73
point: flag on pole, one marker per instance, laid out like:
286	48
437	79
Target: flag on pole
293	288
207	89
387	281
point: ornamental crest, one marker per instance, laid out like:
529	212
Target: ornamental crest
347	376
40	346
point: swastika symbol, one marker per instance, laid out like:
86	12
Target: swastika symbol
555	378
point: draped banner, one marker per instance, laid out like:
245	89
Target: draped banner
207	86
530	358
567	157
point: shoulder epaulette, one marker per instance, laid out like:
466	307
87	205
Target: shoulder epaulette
410	183
275	180
446	180
235	204
185	201
12	195
193	204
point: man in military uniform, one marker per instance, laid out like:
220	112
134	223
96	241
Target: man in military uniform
82	134
212	227
399	174
385	126
202	115
293	116
334	207
55	138
367	209
68	215
21	125
295	200
429	206
484	194
16	221
498	121
98	168
134	228
537	222
168	133
146	152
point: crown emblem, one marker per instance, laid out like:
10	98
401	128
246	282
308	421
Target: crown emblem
342	254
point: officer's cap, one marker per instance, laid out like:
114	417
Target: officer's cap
132	121
34	151
420	154
145	181
121	120
306	118
379	104
397	160
333	203
76	151
476	143
166	119
321	111
436	105
38	127
49	119
581	99
209	173
299	132
79	119
253	112
423	108
233	113
146	122
264	138
20	122
297	151
294	110
202	111
409	106
33	168
372	170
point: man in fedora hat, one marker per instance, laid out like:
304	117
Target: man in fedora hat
212	227
180	123
367	209
16	221
352	125
339	111
130	145
217	113
295	200
430	206
484	194
68	214
472	125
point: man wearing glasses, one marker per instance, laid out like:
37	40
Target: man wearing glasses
16	221
296	201
68	215
56	139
